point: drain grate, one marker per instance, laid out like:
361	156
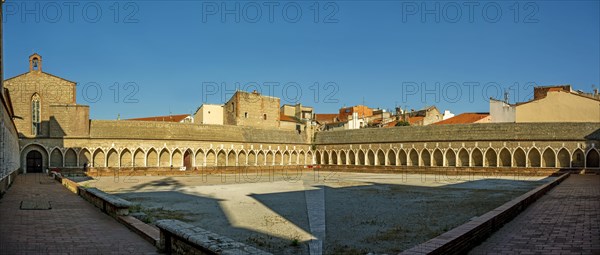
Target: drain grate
35	205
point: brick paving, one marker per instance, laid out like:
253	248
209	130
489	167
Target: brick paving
72	226
564	221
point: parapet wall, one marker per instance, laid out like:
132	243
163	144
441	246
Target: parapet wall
150	130
464	133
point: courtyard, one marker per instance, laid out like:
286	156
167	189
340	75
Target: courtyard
306	211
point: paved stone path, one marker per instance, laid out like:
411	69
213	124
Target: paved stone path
564	221
72	226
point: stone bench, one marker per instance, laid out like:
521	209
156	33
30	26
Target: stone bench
112	205
177	237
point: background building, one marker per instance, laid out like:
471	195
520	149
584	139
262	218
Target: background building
211	114
251	109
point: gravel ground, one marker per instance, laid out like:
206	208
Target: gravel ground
363	212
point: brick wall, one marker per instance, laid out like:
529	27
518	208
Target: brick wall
250	109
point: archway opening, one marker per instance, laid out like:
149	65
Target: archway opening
519	158
380	158
112	158
391	158
56	158
505	158
425	158
370	158
34	161
549	158
138	158
152	158
70	158
564	158
592	159
164	158
177	159
438	158
361	158
334	159
477	157
402	158
342	157
414	158
450	158
351	158
463	158
534	158
578	158
187	160
491	158
126	159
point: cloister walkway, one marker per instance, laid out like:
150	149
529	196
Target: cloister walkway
71	226
564	221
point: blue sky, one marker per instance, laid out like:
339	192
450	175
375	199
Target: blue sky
171	56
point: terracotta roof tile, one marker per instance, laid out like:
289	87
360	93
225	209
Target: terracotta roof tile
413	120
283	117
464	118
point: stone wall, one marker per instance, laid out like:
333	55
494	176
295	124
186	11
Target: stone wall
251	109
9	146
464	133
69	120
51	90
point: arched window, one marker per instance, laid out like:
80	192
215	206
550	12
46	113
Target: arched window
265	116
246	115
35	115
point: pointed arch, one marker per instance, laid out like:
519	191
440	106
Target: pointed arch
188	159
269	159
231	158
379	158
139	158
425	158
176	158
370	157
252	159
36	116
351	158
592	159
450	158
85	157
505	158
99	158
126	159
549	158
318	157
200	158
56	158
334	157
519	158
152	158
286	158
242	159
112	158
438	158
70	158
578	158
261	158
534	158
414	158
463	158
164	158
361	158
491	158
563	158
391	158
221	158
343	157
294	158
278	158
325	158
302	158
402	158
477	157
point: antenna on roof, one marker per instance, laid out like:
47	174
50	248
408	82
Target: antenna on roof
506	96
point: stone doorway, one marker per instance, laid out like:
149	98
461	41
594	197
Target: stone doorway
34	162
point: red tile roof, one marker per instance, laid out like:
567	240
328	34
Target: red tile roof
167	118
283	117
413	120
464	118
